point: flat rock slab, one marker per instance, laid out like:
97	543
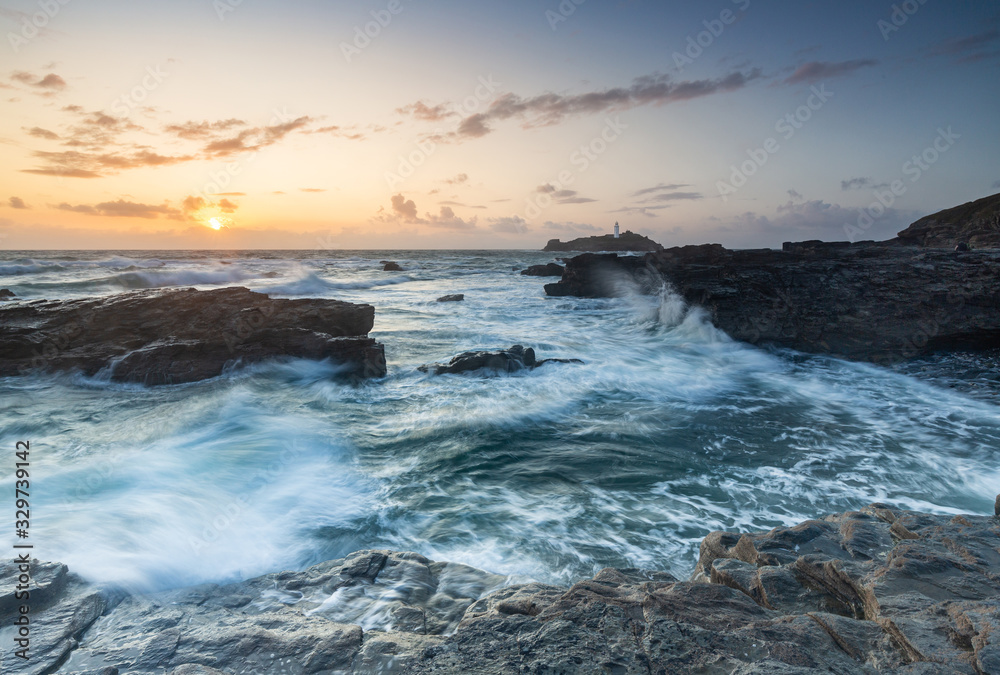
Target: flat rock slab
175	336
879	590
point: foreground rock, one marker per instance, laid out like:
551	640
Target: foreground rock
976	224
879	590
504	361
549	270
391	266
628	241
7	294
174	336
867	301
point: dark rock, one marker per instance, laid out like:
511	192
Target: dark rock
173	336
996	506
392	267
7	294
549	270
975	224
875	302
459	297
504	361
961	247
628	241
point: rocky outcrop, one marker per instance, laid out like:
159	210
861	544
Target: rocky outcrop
458	297
549	270
975	224
879	590
391	266
866	301
503	361
174	336
7	294
628	241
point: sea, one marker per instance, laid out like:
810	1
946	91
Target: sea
667	431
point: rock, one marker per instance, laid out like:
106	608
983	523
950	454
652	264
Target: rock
880	590
373	611
392	267
996	506
504	361
549	270
975	224
7	294
62	607
628	241
459	297
867	301
173	336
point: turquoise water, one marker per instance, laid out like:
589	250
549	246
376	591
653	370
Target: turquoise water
669	430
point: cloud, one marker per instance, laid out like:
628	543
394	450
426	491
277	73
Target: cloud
196	131
660	188
458	180
450	202
647	211
38	132
795	195
47	85
550	108
563	196
425	113
814	71
817	219
124	209
996	185
227	206
406	208
860	184
978	47
17	203
509	225
253	139
312	189
569	227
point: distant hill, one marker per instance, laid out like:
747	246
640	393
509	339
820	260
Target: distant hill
975	223
628	241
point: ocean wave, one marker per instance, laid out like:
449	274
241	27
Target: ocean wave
313	284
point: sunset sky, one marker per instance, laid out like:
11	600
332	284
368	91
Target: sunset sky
488	124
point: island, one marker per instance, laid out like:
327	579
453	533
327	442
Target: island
627	241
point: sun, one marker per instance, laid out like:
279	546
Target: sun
215	223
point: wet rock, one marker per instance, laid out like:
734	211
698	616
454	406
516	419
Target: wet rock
7	294
876	302
879	590
391	266
458	297
174	336
503	361
996	506
549	270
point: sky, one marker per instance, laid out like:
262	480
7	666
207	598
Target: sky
474	124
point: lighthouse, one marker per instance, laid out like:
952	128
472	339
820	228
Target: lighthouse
616	231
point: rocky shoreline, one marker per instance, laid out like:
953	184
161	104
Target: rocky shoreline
879	302
183	335
879	590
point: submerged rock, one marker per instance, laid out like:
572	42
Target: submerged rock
392	267
875	302
458	297
549	270
504	361
174	336
880	590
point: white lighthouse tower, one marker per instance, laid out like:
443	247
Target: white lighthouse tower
616	231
